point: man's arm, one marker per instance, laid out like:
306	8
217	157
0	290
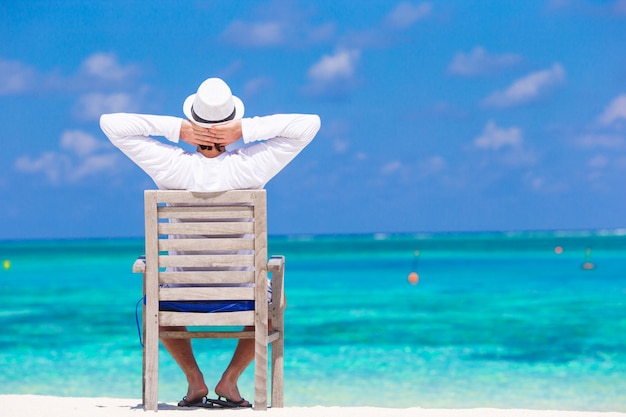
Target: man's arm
120	126
298	129
280	138
131	133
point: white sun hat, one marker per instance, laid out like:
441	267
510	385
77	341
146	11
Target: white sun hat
213	103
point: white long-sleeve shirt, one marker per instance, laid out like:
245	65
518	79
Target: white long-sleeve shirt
277	140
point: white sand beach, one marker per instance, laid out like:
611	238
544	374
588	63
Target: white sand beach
48	406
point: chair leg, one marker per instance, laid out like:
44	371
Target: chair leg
260	375
151	373
143	353
151	354
278	350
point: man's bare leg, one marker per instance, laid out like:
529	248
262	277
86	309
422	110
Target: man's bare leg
243	356
182	352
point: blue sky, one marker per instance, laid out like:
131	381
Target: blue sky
436	116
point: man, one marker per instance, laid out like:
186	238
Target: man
214	120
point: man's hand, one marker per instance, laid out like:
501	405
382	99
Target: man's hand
226	133
194	134
222	134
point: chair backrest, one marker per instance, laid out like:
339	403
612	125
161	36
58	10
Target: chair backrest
204	247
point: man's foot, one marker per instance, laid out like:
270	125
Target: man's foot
194	396
226	403
230	393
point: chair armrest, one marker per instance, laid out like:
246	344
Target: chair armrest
276	265
140	264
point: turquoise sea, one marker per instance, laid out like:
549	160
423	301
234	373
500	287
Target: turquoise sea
506	320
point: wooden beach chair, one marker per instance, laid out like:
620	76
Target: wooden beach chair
208	252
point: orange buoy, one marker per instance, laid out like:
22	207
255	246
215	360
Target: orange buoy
588	265
413	278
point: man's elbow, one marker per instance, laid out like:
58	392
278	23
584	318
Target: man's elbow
315	125
110	125
318	122
105	123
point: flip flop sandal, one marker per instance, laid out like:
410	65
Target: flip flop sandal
226	403
204	402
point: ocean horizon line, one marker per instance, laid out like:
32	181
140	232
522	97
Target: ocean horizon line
410	242
513	233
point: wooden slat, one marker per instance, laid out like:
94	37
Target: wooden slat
238	318
206	293
206	228
206	261
205	212
272	337
206	277
204	335
193	197
207	244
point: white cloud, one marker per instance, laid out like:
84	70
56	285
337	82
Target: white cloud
495	138
100	70
507	145
598	162
519	157
534	182
340	146
593	140
391	167
334	75
279	23
619	7
91	106
480	62
605	8
340	66
258	85
407	13
558	4
105	66
543	185
435	163
16	77
432	165
527	88
390	30
80	155
256	33
615	111
92	165
52	164
79	142
361	156
321	33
